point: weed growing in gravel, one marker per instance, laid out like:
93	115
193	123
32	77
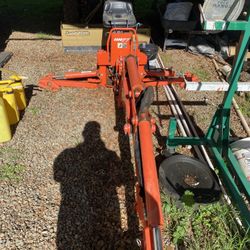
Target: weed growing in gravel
11	171
34	110
207	227
166	59
201	73
12	154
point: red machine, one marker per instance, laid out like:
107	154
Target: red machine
123	67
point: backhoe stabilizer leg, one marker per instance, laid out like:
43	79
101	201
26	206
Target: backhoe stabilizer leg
51	83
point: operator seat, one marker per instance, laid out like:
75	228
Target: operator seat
118	14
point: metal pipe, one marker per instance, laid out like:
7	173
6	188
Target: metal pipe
171	104
179	115
175	113
184	122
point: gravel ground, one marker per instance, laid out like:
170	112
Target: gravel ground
77	190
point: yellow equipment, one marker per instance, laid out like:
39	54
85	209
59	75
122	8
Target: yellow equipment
15	82
12	100
11	105
5	132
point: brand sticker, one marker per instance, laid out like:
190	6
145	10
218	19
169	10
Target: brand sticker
121	45
77	33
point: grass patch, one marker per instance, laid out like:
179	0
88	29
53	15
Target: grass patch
207	227
166	59
11	171
41	35
245	105
34	110
12	154
201	74
181	64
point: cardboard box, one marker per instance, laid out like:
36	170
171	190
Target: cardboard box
232	52
81	38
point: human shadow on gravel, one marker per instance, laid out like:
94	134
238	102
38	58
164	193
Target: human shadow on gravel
91	177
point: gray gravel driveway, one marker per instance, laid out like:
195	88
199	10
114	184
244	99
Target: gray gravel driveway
76	190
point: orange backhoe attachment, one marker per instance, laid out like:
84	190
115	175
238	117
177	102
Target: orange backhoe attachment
124	67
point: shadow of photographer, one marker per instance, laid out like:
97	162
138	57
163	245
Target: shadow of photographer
97	196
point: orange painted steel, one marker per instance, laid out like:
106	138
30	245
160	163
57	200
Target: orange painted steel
49	82
154	217
147	235
124	67
79	75
133	75
161	73
122	46
153	202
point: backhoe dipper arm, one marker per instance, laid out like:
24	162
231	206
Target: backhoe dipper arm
148	196
152	217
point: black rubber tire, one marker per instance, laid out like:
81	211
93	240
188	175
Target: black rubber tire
177	169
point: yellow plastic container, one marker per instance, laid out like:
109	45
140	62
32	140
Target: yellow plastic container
5	132
19	93
10	105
